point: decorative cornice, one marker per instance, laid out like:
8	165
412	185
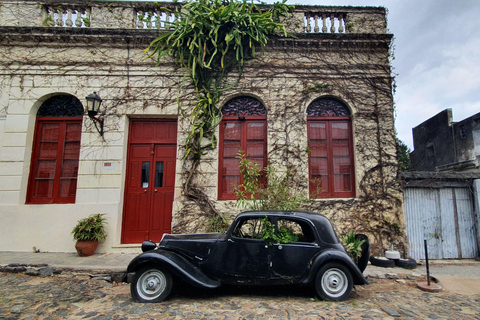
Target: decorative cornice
143	37
110	37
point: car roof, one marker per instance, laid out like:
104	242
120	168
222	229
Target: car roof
324	227
305	214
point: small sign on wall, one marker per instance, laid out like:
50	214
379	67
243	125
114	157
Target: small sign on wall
108	166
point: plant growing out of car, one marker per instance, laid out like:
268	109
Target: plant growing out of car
266	189
353	245
284	234
217	223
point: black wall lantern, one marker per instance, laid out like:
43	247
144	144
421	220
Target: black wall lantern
93	105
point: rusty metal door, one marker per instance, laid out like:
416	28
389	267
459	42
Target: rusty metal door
445	218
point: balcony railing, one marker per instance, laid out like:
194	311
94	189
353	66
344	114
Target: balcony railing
67	16
324	22
160	16
155	19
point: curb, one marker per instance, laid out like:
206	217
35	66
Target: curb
44	270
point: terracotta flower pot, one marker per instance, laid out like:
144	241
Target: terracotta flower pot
86	248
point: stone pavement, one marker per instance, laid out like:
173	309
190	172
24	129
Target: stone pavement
85	293
78	295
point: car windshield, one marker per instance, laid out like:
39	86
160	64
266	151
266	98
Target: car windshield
249	228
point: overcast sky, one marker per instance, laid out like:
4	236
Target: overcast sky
437	57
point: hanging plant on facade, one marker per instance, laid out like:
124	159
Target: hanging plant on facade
210	39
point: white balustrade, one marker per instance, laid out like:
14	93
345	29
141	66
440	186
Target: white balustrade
68	17
143	14
330	22
155	19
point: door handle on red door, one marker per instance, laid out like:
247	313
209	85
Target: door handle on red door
155	190
145	190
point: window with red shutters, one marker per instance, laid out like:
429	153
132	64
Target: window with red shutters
331	167
56	150
244	127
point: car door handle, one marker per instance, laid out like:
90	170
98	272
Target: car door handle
280	247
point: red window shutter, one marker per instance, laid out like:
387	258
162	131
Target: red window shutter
235	135
330	159
54	165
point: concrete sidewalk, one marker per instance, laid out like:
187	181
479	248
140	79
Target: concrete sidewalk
97	263
118	262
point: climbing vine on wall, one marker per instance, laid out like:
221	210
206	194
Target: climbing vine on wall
210	39
292	74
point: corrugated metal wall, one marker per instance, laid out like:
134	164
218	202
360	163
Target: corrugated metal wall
445	218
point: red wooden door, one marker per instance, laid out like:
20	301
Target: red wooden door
150	182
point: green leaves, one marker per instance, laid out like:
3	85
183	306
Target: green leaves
91	228
353	245
211	38
283	235
275	194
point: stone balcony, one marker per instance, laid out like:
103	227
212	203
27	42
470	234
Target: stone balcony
160	15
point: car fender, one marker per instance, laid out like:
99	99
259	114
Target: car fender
338	256
176	264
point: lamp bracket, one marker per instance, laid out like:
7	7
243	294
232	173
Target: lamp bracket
100	121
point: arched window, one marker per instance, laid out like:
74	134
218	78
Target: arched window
243	127
56	150
331	169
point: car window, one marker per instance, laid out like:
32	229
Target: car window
295	231
249	228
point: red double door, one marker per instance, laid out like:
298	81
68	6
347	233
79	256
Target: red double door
150	182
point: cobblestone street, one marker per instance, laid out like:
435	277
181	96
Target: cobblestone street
77	296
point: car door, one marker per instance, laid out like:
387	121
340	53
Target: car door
291	261
244	256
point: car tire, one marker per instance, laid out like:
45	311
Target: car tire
382	262
406	263
151	284
333	282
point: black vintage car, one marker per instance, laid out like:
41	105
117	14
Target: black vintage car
312	256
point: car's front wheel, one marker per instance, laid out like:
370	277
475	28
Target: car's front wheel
334	282
151	284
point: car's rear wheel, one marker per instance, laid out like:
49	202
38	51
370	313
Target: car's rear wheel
334	282
151	284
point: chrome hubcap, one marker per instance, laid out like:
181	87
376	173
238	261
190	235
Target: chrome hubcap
151	284
334	282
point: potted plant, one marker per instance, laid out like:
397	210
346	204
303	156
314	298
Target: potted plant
89	232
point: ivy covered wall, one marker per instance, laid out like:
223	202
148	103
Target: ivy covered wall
37	62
